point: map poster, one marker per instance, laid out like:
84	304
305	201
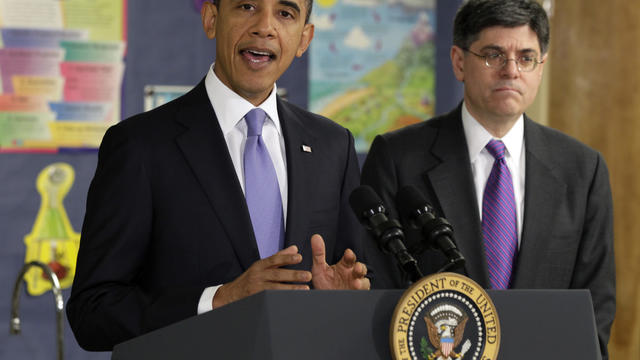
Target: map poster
372	64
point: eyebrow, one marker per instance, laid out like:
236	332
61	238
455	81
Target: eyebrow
290	4
501	49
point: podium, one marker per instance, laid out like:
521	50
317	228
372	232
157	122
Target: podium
535	324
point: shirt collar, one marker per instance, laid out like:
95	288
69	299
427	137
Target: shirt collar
230	107
478	137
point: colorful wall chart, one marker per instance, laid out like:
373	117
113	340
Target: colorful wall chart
61	72
372	64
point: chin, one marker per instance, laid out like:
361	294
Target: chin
506	112
508	108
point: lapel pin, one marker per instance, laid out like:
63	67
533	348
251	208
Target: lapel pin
306	148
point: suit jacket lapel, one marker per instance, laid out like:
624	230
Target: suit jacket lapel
450	175
543	190
301	180
206	152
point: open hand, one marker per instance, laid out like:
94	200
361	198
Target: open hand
344	275
265	274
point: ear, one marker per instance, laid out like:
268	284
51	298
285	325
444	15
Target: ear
457	62
209	14
541	65
305	39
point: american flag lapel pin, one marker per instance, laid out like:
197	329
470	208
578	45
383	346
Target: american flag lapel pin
306	148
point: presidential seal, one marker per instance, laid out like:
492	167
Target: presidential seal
445	316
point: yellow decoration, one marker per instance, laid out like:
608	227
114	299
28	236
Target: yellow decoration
327	3
52	240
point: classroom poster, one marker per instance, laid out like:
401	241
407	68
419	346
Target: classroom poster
61	72
372	64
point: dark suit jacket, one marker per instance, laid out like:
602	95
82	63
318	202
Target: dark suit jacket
567	236
166	216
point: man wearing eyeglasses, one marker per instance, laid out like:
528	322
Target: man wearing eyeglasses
531	207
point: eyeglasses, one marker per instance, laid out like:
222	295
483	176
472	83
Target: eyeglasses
498	60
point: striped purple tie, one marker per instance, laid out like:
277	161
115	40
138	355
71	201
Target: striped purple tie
499	219
262	191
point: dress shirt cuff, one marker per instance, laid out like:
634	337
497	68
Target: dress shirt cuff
206	299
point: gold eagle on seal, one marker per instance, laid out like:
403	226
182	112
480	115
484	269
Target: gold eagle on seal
445	326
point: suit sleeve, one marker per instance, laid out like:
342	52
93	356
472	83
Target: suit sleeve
595	264
379	172
108	304
349	229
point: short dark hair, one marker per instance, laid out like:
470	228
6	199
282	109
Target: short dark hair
306	19
477	15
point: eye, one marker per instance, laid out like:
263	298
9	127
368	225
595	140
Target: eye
286	14
493	55
247	6
526	59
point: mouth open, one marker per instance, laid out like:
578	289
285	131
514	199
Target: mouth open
257	56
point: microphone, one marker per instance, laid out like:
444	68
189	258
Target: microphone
370	211
437	232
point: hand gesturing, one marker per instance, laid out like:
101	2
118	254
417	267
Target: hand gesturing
345	274
265	274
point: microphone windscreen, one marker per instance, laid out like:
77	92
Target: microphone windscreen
409	199
363	199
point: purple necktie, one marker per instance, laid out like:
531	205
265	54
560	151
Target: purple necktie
261	188
499	219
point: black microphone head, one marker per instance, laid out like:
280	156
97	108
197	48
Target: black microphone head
410	202
365	202
370	210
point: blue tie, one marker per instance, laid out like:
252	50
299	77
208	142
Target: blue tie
499	219
262	191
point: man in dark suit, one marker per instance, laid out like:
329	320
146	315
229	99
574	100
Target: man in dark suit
168	233
557	227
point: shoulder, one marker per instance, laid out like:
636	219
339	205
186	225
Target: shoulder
161	122
166	113
419	136
566	156
317	129
562	147
311	121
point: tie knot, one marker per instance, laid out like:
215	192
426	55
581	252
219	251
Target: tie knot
496	148
255	119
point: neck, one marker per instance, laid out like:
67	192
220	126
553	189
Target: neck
497	128
255	100
254	97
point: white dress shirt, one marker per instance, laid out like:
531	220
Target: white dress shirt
230	109
482	161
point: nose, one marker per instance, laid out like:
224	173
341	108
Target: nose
264	25
510	69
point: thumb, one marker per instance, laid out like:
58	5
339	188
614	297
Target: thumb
318	250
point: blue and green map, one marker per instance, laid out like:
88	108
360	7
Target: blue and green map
372	64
